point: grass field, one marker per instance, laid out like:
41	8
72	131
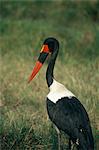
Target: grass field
24	124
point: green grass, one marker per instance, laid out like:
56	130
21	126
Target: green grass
24	122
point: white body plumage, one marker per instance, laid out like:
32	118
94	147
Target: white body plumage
58	91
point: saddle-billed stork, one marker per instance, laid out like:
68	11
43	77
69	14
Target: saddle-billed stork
64	109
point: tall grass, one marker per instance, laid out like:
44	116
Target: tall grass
24	121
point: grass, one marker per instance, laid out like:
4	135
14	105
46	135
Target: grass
24	121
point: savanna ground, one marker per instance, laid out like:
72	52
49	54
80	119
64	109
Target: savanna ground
24	124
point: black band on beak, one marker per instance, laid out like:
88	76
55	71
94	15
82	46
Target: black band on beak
42	57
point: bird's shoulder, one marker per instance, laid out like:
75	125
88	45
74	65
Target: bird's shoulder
58	91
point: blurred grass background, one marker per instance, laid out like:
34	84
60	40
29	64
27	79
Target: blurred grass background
23	27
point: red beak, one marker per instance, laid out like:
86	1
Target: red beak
43	55
35	70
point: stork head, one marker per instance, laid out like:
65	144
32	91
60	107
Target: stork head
50	45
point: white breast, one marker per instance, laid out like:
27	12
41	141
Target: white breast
58	91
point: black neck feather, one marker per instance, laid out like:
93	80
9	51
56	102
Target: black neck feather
50	68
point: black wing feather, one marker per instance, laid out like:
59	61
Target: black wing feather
69	115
